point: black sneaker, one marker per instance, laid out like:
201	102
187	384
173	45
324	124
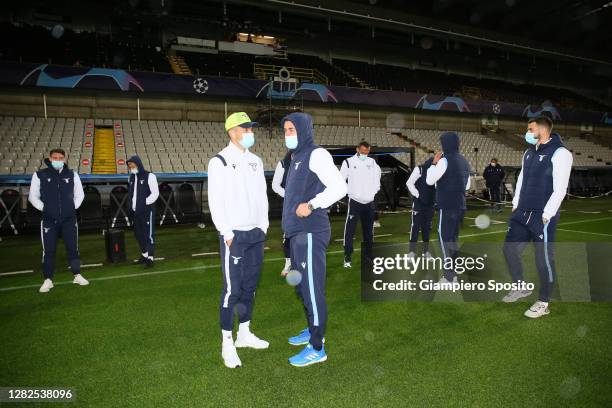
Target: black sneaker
148	263
140	260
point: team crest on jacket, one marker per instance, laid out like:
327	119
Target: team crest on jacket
253	166
297	164
141	181
48	180
542	156
67	180
236	259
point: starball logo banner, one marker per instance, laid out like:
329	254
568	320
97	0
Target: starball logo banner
479	272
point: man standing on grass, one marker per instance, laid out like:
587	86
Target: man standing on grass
143	193
313	184
278	186
540	189
363	176
450	173
57	192
422	207
238	202
494	177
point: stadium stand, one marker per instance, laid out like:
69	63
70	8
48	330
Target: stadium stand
186	146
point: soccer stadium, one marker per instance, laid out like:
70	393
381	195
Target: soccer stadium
287	203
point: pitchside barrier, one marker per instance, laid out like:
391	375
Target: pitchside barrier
183	196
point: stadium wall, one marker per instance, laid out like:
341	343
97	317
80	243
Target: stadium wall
87	104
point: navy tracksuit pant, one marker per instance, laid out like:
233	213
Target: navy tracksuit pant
355	212
144	230
50	233
286	246
420	220
525	227
241	267
495	194
448	233
308	255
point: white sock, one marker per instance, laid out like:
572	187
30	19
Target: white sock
544	303
244	327
287	263
150	257
227	336
145	254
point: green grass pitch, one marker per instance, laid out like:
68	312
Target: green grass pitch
151	338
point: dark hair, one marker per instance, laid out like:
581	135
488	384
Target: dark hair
494	159
58	150
542	121
364	144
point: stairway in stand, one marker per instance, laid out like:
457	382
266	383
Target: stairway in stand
104	152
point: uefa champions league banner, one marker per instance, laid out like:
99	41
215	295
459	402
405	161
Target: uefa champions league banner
53	76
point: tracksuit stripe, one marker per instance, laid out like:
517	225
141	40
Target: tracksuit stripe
440	235
550	272
311	282
228	282
348	214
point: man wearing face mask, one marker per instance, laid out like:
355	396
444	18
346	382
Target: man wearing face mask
314	183
494	176
363	176
450	173
540	189
58	193
238	202
142	194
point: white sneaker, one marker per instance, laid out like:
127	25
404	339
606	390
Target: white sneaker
538	309
376	224
230	355
80	280
410	254
248	339
46	286
347	264
515	295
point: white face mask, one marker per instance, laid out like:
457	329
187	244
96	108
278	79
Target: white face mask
134	171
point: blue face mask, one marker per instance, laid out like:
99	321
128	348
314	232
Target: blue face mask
530	138
57	164
248	140
291	142
362	157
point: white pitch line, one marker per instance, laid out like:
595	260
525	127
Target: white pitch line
590	212
206	253
586	232
137	275
91	265
17	272
382	235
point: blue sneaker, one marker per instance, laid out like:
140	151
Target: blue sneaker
300	339
308	356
